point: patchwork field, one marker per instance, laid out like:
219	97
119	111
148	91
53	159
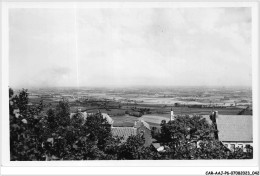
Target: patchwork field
126	105
156	119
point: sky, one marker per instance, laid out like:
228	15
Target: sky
130	47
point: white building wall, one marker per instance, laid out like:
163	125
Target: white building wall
237	144
172	115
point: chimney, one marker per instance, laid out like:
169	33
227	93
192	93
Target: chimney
213	118
172	115
216	114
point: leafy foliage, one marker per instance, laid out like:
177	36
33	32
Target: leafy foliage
54	135
194	138
134	149
26	128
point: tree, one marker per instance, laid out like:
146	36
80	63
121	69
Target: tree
63	113
51	136
187	137
82	139
211	149
131	148
26	128
134	149
192	137
98	129
52	122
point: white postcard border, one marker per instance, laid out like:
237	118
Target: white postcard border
8	166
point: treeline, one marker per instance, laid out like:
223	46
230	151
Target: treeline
40	136
35	135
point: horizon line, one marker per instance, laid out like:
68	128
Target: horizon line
132	86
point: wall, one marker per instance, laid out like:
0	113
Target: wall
237	144
147	135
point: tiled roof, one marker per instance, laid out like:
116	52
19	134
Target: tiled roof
156	145
139	123
124	132
235	127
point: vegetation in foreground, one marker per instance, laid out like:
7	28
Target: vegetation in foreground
36	135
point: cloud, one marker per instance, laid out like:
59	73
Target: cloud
156	46
51	77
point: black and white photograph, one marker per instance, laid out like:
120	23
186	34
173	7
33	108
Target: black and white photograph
130	82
